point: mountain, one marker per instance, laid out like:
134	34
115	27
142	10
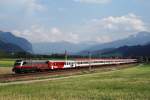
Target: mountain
58	47
8	47
132	51
15	42
140	38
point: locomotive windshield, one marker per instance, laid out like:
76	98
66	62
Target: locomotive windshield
18	62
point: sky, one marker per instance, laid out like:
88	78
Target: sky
74	21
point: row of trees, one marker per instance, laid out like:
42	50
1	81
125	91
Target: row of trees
25	55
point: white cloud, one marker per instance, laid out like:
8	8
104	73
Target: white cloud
116	24
103	39
61	9
22	14
111	28
93	1
98	30
30	5
34	5
41	34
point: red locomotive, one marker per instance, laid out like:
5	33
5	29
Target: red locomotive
22	66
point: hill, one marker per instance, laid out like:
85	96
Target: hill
126	51
140	38
58	47
8	47
9	42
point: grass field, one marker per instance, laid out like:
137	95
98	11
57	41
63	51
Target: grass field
125	84
6	62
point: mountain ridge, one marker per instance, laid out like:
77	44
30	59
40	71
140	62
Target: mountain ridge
8	47
140	38
58	47
130	51
8	38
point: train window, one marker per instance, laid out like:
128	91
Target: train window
17	63
24	63
18	60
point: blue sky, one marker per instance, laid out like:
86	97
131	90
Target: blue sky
74	20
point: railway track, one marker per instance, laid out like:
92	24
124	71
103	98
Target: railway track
54	73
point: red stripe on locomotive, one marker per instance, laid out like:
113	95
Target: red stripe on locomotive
41	66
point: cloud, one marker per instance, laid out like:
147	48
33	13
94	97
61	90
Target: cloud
93	1
96	30
103	39
30	5
129	23
22	14
34	5
111	28
40	34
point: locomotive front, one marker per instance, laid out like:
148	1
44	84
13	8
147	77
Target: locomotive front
17	66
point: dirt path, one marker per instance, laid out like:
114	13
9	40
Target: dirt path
5	70
39	80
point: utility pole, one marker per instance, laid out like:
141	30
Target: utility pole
89	61
66	56
141	59
147	59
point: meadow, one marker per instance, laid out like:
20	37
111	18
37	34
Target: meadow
6	66
125	84
7	62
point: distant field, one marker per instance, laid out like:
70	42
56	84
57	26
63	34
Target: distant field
125	84
6	62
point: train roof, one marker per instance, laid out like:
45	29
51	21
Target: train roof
75	60
61	60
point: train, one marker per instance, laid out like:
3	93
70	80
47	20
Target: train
23	66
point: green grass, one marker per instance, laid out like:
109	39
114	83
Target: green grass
126	84
6	62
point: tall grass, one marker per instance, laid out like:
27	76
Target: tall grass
126	84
